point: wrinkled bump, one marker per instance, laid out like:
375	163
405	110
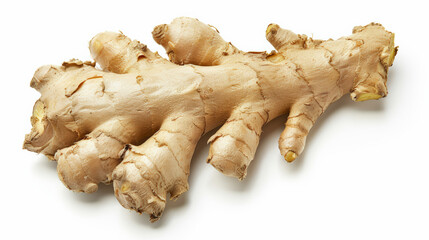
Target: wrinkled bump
88	162
42	76
108	49
229	167
90	188
71	173
137	193
159	32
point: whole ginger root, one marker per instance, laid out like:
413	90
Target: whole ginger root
137	121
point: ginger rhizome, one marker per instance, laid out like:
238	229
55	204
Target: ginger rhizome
137	121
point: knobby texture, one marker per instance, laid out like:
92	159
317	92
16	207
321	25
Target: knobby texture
137	121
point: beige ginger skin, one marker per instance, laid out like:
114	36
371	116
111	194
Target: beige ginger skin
137	121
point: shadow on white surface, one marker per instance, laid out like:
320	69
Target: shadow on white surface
44	166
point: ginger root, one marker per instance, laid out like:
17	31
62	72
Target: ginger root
137	121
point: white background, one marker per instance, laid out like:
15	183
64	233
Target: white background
364	173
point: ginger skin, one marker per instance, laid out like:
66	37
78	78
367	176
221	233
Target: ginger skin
137	121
